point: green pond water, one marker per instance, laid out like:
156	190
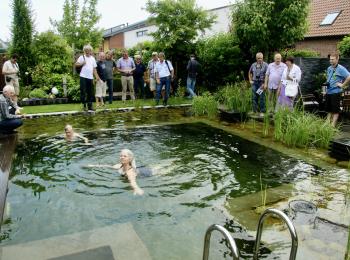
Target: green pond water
197	168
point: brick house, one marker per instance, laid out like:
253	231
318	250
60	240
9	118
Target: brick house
329	22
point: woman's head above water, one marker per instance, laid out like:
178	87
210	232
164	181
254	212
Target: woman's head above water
127	158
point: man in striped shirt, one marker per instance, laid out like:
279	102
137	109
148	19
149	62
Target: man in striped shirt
9	121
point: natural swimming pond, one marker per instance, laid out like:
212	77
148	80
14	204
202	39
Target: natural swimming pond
197	169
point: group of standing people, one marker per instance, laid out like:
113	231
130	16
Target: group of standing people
273	78
159	74
281	82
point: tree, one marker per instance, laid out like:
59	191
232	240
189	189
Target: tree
178	22
221	59
22	35
79	29
269	25
344	46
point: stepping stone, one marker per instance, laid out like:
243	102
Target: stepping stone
114	242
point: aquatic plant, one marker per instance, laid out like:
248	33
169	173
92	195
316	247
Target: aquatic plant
300	129
205	105
237	97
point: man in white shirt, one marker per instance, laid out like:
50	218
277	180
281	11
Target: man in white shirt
10	70
164	73
88	70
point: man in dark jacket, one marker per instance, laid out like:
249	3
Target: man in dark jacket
193	68
8	121
139	77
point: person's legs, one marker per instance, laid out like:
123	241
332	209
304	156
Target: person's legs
158	92
15	84
272	93
262	102
124	87
190	87
89	89
131	87
167	82
153	86
83	91
255	97
110	90
8	125
136	90
142	88
193	85
98	93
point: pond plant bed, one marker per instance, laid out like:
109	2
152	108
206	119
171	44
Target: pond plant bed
42	101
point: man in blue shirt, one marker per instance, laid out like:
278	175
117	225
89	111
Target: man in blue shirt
338	77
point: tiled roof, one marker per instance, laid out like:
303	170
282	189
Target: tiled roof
319	10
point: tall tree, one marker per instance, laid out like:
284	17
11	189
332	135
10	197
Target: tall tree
22	35
269	25
178	22
77	26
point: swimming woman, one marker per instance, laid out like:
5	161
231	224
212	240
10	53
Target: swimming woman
127	168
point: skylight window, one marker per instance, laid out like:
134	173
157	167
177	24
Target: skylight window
330	18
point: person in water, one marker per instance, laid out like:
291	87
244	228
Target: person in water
127	167
70	135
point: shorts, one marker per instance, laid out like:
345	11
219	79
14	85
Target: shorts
332	104
152	84
143	171
101	88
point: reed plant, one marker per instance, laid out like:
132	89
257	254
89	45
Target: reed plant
236	97
205	105
300	129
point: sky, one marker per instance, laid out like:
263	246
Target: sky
114	12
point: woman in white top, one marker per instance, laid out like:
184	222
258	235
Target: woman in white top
291	76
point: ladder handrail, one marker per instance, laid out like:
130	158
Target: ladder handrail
292	231
226	234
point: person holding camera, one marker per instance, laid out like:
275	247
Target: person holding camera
164	72
256	77
338	77
10	70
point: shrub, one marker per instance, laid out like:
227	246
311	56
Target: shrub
205	105
38	93
237	97
221	60
305	53
344	46
299	129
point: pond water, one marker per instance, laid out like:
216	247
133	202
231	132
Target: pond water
197	168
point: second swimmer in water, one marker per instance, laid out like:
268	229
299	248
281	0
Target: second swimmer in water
127	168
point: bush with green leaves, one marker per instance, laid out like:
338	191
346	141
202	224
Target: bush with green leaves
236	97
205	105
344	47
38	93
221	60
305	53
299	129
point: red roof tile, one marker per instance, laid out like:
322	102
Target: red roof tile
318	11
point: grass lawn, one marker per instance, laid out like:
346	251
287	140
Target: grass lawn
116	104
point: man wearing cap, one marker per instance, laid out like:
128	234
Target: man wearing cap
151	72
126	67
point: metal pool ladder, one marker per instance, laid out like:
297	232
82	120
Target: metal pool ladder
227	235
232	243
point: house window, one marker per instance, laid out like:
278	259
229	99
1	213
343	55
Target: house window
330	18
141	33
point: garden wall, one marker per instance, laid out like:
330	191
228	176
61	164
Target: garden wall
311	67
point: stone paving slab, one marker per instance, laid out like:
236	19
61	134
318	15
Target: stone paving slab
122	240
